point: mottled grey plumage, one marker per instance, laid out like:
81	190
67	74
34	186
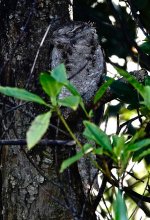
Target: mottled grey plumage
76	44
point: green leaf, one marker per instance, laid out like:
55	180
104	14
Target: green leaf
83	108
98	151
102	90
120	209
37	129
50	86
147	81
93	132
91	113
124	92
131	79
59	74
22	94
118	145
146	96
140	156
146	47
87	148
138	145
75	92
145	111
140	134
72	89
70	101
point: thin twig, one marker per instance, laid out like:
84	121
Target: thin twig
100	193
128	122
37	54
43	142
108	211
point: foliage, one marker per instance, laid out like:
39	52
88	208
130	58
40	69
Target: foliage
117	26
120	208
119	148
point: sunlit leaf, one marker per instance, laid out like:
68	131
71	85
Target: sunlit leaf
50	86
70	101
59	74
72	89
98	151
22	94
120	209
127	114
37	129
91	113
138	145
75	92
87	148
140	134
146	96
93	132
118	145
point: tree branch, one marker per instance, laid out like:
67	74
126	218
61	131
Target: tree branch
43	142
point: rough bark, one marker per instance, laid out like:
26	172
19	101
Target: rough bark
26	194
30	187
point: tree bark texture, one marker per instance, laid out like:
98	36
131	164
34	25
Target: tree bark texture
31	187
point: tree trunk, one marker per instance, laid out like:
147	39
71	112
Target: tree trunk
25	193
31	187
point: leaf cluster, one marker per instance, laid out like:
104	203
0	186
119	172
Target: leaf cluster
117	147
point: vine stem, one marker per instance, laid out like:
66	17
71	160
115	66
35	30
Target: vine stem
68	128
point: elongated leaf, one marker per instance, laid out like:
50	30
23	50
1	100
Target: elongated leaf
37	129
138	86
22	94
140	134
138	145
75	92
146	47
102	90
146	96
120	209
98	151
50	85
118	145
72	89
124	92
59	74
141	155
147	81
93	132
70	101
66	163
